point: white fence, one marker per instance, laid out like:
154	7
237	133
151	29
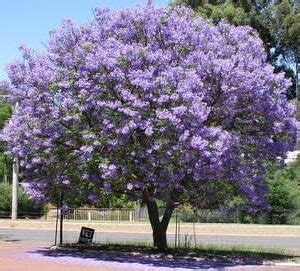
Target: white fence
91	214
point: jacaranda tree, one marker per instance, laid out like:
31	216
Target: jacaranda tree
150	102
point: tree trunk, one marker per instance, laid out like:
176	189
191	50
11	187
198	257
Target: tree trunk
159	228
160	238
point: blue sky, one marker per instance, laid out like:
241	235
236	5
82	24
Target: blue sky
29	21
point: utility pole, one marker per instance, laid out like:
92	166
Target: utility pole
15	184
61	219
5	173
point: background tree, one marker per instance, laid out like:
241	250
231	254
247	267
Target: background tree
5	114
284	194
153	103
277	22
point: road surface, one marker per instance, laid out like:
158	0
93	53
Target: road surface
47	237
27	250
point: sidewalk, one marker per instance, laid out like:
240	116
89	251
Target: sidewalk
16	257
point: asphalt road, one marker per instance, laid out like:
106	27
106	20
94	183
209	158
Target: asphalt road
47	237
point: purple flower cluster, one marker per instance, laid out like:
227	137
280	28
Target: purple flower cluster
149	96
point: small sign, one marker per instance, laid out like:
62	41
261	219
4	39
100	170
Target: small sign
86	235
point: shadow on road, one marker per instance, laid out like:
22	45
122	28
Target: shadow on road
5	238
203	261
11	240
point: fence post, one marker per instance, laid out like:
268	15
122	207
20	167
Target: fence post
89	216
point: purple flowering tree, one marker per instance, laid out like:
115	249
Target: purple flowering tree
151	102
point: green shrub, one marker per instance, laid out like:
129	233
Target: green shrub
27	208
284	194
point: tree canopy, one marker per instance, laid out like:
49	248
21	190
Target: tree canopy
277	22
155	103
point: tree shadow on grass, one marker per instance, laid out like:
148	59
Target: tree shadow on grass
173	259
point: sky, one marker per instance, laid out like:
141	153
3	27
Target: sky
28	22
